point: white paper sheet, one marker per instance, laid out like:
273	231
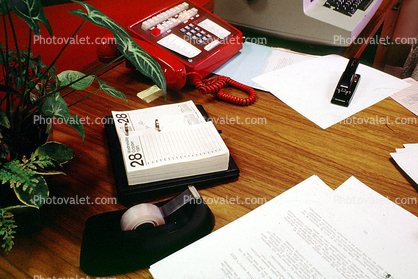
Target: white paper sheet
173	116
254	60
408	97
407	160
377	225
215	256
309	231
309	86
246	64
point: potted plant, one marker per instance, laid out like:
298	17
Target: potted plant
30	90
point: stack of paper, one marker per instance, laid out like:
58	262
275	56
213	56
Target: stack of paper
309	231
308	88
407	160
307	83
254	60
408	97
169	142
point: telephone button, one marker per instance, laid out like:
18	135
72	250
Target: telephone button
155	31
211	45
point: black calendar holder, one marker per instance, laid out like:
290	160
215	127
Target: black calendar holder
106	250
130	194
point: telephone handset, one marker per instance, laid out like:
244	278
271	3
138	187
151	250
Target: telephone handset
189	43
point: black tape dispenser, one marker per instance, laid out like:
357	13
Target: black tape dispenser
127	240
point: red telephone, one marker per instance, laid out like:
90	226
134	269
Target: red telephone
189	43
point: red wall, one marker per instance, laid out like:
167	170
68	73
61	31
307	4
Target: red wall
64	24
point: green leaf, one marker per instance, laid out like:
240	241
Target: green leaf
32	12
57	107
67	77
4	7
52	168
57	151
4	121
128	47
52	86
75	122
111	90
6	228
141	59
98	18
37	196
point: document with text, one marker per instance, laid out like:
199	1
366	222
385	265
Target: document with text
309	231
408	97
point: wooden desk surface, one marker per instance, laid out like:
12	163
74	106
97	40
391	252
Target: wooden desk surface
274	147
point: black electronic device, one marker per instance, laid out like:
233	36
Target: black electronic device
112	245
347	84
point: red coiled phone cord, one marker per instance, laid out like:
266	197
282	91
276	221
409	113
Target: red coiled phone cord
206	86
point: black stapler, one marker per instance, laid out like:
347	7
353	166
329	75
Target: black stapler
347	84
113	243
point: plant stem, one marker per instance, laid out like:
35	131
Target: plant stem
25	92
92	73
29	114
27	67
85	97
9	96
58	56
42	97
12	110
5	55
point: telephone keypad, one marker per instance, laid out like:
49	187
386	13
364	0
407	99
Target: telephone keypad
195	34
164	22
191	33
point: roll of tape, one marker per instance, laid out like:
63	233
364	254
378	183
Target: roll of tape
141	214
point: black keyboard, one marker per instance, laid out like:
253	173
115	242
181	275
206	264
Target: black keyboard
348	7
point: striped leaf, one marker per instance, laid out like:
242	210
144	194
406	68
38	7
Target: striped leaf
111	90
32	12
141	59
128	47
